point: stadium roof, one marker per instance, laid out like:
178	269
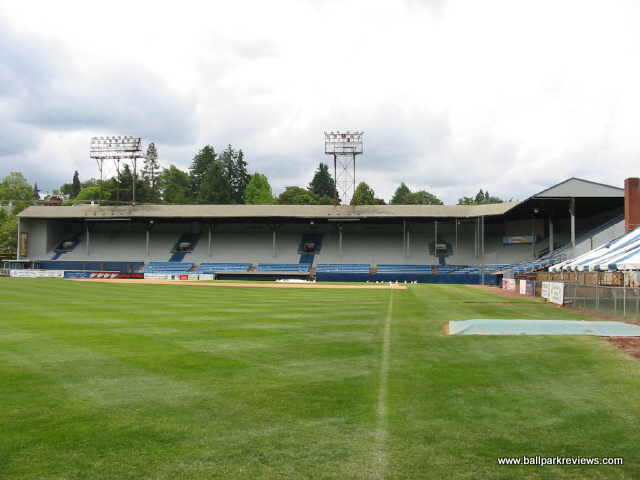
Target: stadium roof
266	211
577	187
570	188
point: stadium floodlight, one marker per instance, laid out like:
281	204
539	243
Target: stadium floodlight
344	146
117	148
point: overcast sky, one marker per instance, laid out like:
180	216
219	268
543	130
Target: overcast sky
453	96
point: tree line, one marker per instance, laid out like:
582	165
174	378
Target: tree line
212	177
223	178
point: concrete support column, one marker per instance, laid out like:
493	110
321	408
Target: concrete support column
210	244
18	239
481	246
435	237
148	232
340	242
404	238
551	235
456	236
476	249
572	212
275	244
88	240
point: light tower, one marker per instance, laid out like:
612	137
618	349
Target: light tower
344	146
117	149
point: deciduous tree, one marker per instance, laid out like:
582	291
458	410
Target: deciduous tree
258	191
364	195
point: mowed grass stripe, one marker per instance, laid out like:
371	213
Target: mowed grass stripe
151	381
252	411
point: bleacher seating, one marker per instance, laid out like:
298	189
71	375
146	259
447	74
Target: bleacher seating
168	267
222	267
344	267
487	268
283	267
397	268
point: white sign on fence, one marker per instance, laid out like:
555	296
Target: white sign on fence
29	273
556	292
523	287
158	276
509	283
545	290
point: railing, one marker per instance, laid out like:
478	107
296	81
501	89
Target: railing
621	302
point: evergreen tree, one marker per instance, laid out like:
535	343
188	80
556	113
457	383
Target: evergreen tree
481	198
36	191
258	191
235	168
199	168
150	173
75	185
364	195
215	186
125	183
322	183
175	186
401	194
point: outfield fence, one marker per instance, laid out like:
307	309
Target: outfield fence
617	301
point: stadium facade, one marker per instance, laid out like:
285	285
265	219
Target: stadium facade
440	236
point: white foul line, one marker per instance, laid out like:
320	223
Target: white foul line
380	459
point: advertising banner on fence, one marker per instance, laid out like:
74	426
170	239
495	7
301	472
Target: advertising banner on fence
527	287
178	276
509	283
523	287
106	275
544	291
102	275
28	273
556	292
76	274
158	276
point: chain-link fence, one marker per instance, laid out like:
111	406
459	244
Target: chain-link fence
617	301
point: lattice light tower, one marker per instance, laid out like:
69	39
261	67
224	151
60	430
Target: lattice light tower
344	147
117	148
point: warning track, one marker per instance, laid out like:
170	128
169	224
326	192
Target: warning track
321	286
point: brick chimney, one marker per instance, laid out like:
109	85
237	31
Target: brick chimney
631	203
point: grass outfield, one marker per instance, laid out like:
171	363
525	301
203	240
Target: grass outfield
134	381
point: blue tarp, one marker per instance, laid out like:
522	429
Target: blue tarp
491	326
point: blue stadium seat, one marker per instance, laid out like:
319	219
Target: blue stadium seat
213	268
283	267
344	267
168	267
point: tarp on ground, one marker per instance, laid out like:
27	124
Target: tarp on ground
605	257
492	326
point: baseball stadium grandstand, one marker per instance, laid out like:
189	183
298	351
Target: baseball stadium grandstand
423	243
